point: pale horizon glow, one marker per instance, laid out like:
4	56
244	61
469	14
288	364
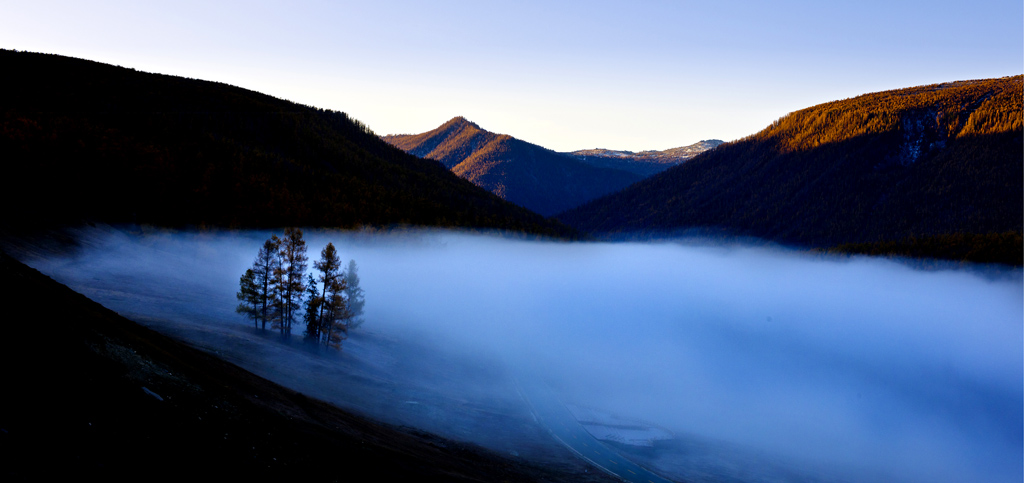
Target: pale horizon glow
567	75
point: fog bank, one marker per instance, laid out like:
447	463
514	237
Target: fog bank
853	368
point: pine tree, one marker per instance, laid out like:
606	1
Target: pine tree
248	297
328	266
354	295
275	298
263	279
312	315
334	326
292	266
330	328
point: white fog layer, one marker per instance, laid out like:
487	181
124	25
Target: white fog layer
851	369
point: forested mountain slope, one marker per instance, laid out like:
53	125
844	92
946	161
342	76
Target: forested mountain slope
85	141
938	160
526	174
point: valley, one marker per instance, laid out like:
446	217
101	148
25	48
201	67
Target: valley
702	313
721	343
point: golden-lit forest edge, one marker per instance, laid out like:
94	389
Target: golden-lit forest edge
930	171
83	141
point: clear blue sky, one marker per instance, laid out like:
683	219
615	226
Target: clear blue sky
566	75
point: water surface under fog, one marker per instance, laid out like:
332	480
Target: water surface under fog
832	369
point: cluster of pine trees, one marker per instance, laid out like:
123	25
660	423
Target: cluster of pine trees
277	287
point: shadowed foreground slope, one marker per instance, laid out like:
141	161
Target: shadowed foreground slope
85	141
941	160
87	392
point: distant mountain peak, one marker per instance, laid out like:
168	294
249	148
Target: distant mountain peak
671	156
644	163
459	121
523	173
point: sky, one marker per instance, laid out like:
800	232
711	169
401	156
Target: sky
568	75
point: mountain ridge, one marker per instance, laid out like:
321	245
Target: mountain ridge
85	141
458	127
929	160
529	175
644	163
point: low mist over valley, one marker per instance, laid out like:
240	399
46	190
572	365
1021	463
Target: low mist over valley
698	362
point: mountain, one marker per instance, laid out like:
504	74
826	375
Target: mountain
85	141
522	173
644	163
930	161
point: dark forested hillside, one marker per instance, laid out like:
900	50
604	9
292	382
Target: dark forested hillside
85	141
526	174
935	160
